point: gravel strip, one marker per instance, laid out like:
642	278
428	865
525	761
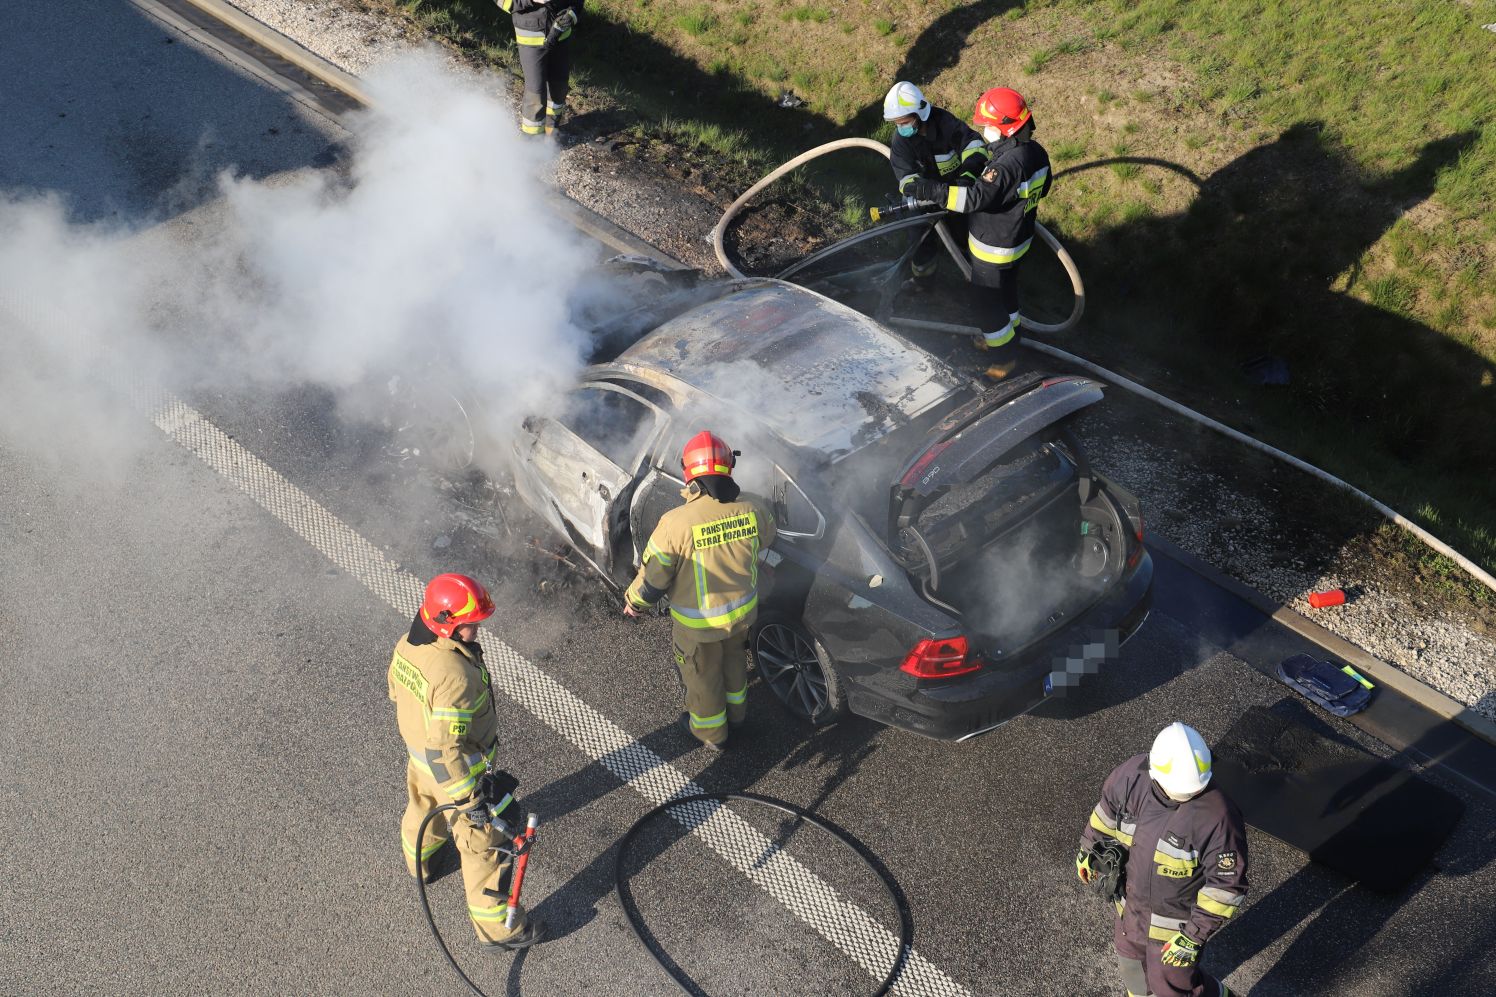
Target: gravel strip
1214	498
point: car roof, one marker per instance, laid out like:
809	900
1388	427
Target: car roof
816	372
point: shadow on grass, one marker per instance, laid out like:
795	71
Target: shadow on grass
1247	271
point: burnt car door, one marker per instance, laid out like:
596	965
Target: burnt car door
586	462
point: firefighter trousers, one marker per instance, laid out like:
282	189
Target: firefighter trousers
1141	966
482	868
997	295
715	674
547	70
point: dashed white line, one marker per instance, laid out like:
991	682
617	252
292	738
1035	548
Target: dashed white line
810	898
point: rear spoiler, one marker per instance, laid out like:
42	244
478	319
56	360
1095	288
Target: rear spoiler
980	433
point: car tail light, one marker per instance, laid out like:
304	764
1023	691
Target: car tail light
913	474
939	659
1137	531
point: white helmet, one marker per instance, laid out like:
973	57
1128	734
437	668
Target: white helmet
1179	762
904	98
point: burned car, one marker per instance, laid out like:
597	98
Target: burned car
947	556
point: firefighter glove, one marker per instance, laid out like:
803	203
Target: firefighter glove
1083	866
566	19
923	189
496	790
1181	950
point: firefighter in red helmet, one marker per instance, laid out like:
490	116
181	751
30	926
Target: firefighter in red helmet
1001	209
444	706
704	556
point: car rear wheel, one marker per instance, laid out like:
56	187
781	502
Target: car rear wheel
797	669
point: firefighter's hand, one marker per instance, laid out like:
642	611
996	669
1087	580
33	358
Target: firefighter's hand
1181	950
924	189
629	610
1083	866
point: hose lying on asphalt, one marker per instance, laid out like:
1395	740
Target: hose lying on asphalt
719	233
630	909
426	904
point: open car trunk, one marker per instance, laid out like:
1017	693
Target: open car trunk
1000	520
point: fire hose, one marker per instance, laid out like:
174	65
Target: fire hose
519	850
719	235
630	909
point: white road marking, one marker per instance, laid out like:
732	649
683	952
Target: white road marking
841	922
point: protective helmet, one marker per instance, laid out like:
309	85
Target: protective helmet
451	601
1179	762
905	98
1003	109
706	454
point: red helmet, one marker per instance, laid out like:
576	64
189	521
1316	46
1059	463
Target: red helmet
706	454
1003	109
451	601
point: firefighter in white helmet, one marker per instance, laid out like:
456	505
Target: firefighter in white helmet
1186	872
930	142
1001	211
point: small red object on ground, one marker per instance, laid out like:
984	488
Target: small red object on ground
1334	597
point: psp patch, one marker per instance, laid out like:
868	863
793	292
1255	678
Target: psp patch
1226	861
458	728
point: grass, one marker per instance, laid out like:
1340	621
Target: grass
1312	124
697	22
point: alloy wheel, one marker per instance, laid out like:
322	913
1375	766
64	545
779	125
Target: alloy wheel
788	662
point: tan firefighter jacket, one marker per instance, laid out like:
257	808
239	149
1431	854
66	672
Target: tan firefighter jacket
444	705
704	556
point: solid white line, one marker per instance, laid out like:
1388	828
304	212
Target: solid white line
841	922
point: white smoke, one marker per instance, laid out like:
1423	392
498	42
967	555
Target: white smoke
431	256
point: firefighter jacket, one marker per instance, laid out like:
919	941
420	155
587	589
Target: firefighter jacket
1186	862
1001	205
444	706
944	147
704	556
532	21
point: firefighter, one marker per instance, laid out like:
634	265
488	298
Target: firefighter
931	143
1001	207
704	557
1186	872
542	31
444	706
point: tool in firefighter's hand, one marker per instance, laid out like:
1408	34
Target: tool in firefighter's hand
523	842
897	207
1105	865
491	797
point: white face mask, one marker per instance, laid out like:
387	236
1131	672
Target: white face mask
991	134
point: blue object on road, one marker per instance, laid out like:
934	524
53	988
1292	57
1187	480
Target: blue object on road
1342	691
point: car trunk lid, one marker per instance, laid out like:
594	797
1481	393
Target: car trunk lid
998	517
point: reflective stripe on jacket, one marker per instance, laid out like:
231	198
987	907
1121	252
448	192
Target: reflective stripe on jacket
444	706
704	556
1186	862
946	147
1001	205
532	21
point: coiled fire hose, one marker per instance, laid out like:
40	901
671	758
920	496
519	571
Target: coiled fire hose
630	909
719	234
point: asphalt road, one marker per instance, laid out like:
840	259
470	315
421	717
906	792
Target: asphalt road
203	780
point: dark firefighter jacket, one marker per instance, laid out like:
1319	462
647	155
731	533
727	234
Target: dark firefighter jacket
1001	205
1186	862
944	147
444	706
533	20
704	556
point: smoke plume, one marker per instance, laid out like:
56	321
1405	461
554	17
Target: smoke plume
429	255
